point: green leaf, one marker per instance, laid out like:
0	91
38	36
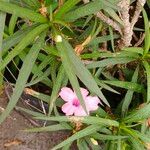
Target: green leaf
147	68
32	3
69	69
136	144
30	112
105	86
12	24
56	88
147	33
85	10
87	120
65	8
15	38
114	15
82	144
42	76
80	70
2	26
129	94
49	128
38	70
82	133
104	137
138	50
23	44
67	147
127	85
109	61
22	12
139	115
102	39
23	77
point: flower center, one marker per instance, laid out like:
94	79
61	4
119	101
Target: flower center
76	102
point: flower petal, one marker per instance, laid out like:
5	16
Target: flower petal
92	103
80	112
67	94
68	109
84	92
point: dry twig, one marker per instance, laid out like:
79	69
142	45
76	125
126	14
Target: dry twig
126	31
109	21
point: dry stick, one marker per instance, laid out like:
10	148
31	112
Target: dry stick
106	19
109	21
139	42
128	27
127	32
139	6
104	45
135	37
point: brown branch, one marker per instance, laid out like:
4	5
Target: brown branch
109	21
139	42
106	19
127	32
139	6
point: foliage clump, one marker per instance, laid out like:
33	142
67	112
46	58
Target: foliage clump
101	46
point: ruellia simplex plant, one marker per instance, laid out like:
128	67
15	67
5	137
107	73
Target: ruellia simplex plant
93	57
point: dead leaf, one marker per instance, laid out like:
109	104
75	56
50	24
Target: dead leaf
13	143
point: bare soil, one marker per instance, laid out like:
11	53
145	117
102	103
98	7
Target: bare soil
13	136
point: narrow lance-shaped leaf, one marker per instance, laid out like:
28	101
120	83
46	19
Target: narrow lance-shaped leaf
82	72
46	80
82	144
82	11
2	25
82	133
69	69
23	77
127	85
147	33
14	39
139	115
109	61
56	127
129	94
59	80
103	137
22	12
41	66
147	68
87	120
12	24
65	8
23	44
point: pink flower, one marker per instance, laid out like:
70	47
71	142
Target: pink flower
73	106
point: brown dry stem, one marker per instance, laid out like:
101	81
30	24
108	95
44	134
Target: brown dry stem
129	25
126	31
109	21
124	14
139	6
